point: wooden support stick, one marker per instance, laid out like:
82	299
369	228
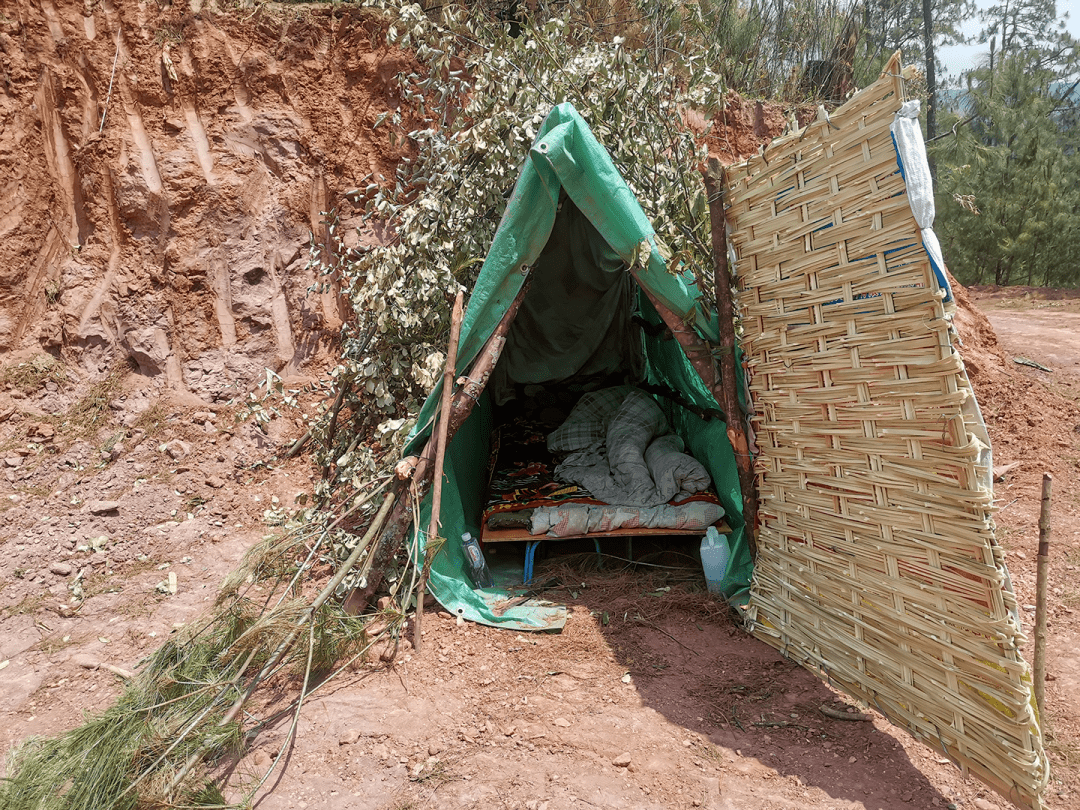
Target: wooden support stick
298	445
440	458
1043	562
697	351
725	310
339	400
471	386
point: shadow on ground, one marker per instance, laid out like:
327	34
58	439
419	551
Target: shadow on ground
691	663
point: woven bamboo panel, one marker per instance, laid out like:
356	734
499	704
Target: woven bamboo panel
877	566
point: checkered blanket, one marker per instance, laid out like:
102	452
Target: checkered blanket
620	448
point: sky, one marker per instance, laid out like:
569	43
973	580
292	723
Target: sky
958	58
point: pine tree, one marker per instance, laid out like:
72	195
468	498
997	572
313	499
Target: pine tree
917	27
1009	184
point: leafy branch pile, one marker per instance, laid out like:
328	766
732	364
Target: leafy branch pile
648	76
475	102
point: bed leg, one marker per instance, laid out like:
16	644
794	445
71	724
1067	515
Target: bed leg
530	555
599	556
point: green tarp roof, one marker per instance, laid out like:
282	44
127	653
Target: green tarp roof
566	158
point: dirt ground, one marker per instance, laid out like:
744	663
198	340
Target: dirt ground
179	213
667	704
1031	321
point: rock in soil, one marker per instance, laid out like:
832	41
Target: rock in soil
177	448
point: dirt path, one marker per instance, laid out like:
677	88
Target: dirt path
1044	330
677	710
1044	326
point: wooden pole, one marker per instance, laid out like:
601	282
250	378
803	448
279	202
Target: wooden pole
465	398
440	458
728	395
339	400
1043	562
696	350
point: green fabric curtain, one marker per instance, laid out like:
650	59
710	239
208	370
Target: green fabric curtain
575	320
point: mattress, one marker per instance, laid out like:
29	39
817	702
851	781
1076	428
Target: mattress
525	501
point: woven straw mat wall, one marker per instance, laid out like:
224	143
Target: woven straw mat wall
877	565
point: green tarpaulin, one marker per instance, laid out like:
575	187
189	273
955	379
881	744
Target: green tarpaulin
577	255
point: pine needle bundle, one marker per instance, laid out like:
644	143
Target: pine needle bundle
181	713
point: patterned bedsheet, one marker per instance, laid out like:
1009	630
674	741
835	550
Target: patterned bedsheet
522	481
523	471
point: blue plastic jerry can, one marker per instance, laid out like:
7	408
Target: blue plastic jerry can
715	556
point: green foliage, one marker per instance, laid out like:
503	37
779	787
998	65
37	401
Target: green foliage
647	75
93	765
338	637
1009	184
890	25
1028	25
481	96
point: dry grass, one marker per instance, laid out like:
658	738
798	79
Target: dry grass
91	410
152	420
30	375
41	491
28	605
53	644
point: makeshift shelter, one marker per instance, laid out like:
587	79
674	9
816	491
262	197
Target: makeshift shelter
877	566
574	232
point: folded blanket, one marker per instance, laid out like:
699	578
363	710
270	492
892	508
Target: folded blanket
677	475
610	436
577	519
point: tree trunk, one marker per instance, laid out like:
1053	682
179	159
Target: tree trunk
931	77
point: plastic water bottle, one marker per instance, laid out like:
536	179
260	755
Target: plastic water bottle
715	555
474	558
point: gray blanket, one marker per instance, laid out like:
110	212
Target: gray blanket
622	450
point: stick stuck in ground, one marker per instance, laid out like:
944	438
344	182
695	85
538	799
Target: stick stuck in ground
440	458
1040	599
